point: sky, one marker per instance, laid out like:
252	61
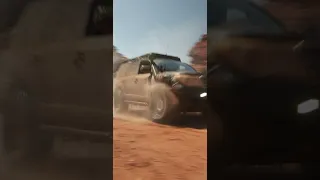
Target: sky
163	26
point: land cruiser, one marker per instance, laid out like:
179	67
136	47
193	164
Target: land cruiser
160	82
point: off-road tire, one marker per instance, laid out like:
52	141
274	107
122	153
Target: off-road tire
170	113
20	136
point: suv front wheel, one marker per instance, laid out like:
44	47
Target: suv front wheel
161	110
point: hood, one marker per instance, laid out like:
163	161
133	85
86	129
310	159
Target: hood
184	78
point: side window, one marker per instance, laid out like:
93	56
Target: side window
247	19
238	21
234	15
144	67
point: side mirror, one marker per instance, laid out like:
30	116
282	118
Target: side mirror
145	69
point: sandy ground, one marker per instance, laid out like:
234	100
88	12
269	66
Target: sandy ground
143	150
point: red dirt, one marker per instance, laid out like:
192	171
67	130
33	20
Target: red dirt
143	151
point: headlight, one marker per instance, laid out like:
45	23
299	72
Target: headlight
308	106
203	95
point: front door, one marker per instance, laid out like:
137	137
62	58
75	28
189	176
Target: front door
130	82
76	86
143	82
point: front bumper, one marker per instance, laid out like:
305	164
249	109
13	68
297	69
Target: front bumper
191	99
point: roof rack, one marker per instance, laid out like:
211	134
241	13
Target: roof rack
156	55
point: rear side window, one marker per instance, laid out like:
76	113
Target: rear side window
122	70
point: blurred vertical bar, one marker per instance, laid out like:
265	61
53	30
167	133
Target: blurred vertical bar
50	37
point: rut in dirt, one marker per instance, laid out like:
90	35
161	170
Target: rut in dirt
186	121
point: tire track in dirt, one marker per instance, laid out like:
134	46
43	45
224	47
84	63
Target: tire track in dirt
146	150
138	119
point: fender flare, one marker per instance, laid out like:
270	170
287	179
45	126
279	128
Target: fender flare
160	87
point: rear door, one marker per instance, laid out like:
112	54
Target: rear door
143	82
130	81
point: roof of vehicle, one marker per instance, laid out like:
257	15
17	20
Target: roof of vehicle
152	56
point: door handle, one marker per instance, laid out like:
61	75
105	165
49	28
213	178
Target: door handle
136	81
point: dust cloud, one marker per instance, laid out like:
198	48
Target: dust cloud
142	114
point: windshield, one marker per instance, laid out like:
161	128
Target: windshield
242	17
168	65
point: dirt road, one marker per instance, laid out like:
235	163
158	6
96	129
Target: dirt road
143	150
71	160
